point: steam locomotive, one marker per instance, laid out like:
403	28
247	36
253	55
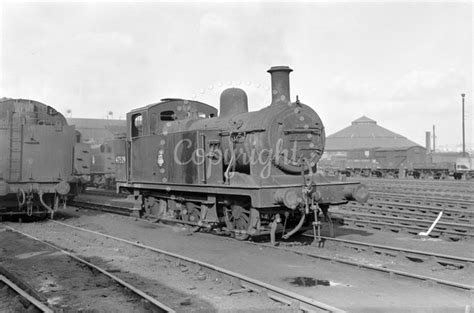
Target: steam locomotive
98	165
239	172
36	158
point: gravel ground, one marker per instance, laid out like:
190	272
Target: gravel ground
66	284
461	248
429	268
182	288
349	288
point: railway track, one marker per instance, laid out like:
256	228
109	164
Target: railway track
18	299
276	293
457	262
454	261
449	183
149	302
422	200
104	192
452	231
394	216
411	191
419	212
116	209
433	183
407	187
410	254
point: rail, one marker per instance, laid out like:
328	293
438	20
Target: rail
25	295
391	272
409	210
421	200
411	254
276	293
157	305
455	261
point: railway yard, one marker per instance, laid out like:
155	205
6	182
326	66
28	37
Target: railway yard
153	157
97	255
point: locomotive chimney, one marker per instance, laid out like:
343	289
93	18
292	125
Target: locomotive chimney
428	142
280	84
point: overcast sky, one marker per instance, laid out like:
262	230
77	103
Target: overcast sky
402	64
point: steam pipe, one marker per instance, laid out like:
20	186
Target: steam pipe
294	230
50	210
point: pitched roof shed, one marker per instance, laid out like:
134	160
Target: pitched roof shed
364	133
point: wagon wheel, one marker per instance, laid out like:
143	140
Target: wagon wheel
237	219
193	215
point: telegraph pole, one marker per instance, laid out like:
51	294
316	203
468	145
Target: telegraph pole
463	135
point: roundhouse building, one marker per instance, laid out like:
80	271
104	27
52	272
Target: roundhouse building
364	144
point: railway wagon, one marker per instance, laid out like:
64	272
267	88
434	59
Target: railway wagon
100	165
108	162
243	173
82	162
400	162
377	162
394	162
440	165
118	147
36	160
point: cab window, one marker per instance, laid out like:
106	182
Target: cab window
137	125
167	116
153	123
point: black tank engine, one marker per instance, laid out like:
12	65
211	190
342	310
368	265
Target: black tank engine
246	173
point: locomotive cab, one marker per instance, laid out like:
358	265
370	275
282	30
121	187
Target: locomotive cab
152	119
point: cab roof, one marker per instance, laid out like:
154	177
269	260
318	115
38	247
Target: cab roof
169	101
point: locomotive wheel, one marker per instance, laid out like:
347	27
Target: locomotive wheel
237	218
153	209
